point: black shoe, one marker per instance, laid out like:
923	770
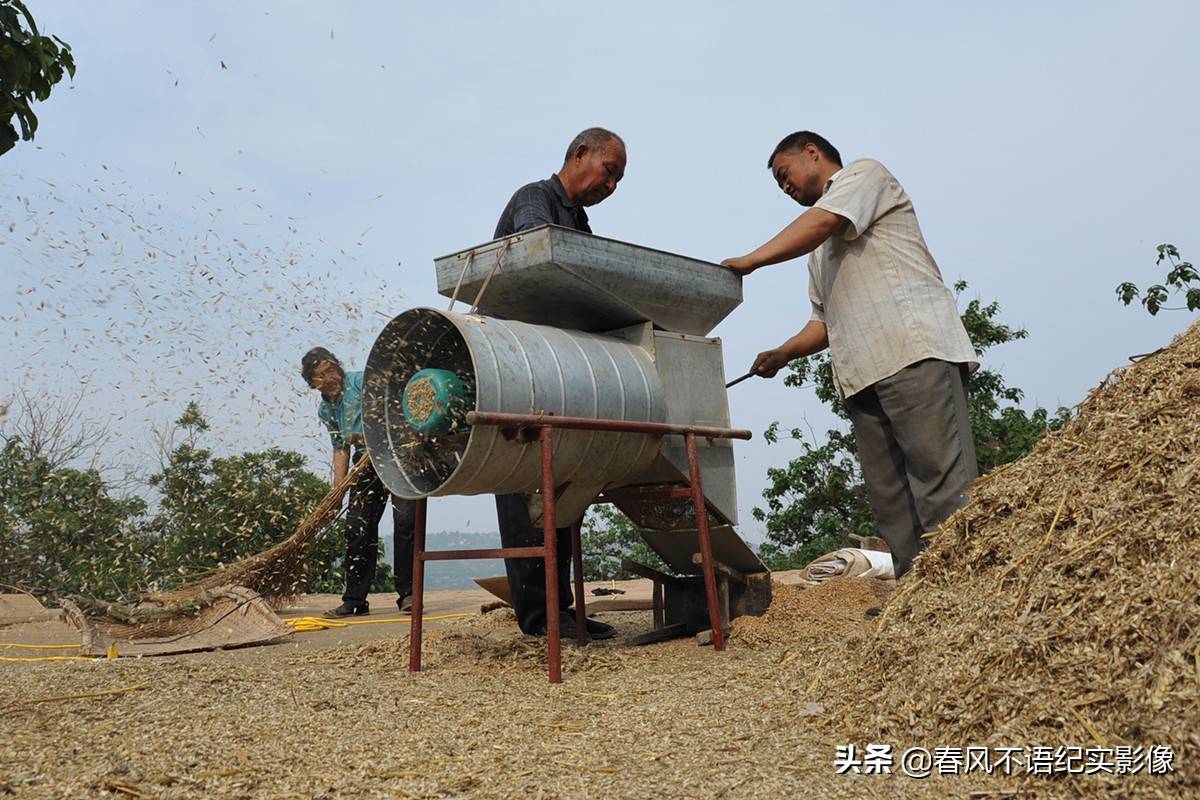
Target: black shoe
596	630
600	630
348	610
404	604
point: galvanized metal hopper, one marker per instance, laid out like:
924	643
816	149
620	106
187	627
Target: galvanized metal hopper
568	279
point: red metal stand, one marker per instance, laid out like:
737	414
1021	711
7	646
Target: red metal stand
706	559
550	532
418	605
544	425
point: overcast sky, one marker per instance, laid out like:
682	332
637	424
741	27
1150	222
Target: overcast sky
225	185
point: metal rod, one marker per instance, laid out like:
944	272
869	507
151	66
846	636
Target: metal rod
495	552
418	606
462	274
584	423
710	579
487	281
581	631
550	533
736	381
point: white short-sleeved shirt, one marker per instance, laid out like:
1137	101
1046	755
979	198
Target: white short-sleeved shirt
876	286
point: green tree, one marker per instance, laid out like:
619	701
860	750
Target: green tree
62	532
30	66
1003	432
818	499
215	511
1180	277
608	536
815	501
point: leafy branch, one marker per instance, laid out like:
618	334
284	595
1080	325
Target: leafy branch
1180	276
30	65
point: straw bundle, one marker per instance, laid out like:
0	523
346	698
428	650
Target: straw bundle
1060	606
276	573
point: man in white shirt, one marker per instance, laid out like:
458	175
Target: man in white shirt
899	350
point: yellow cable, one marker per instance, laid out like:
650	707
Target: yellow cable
47	658
309	624
41	646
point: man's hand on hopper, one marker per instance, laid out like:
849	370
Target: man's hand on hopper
742	265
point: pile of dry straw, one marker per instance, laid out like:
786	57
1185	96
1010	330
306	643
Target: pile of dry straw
1062	605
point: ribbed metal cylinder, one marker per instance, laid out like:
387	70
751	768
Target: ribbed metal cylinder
511	367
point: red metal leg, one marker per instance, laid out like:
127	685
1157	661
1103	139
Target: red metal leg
550	533
710	579
418	605
581	633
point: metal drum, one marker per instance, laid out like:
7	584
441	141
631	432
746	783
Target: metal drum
512	367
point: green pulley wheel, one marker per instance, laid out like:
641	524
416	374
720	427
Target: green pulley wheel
435	402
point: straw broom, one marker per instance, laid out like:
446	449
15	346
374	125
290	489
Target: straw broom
276	573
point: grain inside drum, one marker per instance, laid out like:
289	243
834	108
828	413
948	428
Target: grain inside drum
421	397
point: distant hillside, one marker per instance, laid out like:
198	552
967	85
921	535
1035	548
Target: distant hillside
456	574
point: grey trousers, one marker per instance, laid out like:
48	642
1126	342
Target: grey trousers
916	451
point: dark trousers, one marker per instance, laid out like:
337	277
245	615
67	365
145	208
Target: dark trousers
527	576
368	497
916	450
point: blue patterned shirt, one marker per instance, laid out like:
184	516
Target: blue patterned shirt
344	418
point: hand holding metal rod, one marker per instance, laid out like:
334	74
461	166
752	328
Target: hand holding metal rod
736	381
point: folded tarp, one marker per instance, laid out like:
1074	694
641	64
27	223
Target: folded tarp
849	562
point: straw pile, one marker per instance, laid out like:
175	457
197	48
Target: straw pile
1060	606
832	610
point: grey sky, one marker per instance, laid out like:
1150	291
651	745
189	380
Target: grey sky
1047	147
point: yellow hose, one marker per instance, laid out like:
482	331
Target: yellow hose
40	646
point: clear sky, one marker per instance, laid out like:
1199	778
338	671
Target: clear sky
225	185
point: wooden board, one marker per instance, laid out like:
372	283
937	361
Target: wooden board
19	608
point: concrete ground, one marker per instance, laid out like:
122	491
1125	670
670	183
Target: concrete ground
24	621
